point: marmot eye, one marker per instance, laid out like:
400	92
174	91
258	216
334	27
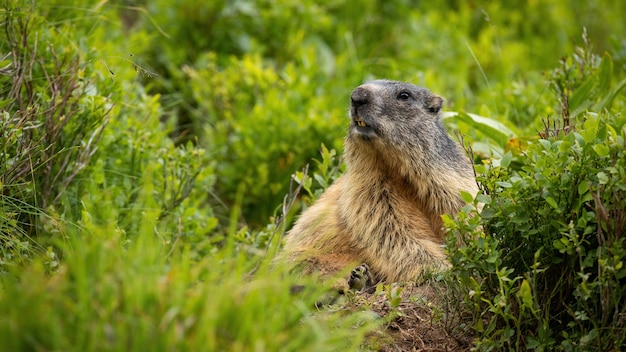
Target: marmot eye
404	96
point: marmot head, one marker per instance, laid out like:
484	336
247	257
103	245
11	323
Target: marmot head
400	121
390	109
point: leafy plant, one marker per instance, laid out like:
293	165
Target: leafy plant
547	271
260	128
110	293
52	118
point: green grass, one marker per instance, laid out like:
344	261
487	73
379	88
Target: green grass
108	293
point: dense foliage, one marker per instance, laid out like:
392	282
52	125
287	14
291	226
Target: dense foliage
548	270
147	147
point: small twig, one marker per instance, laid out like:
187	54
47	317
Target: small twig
291	197
288	202
469	151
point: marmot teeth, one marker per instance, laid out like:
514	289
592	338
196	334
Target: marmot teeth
359	122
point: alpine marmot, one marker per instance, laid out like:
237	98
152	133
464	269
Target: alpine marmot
383	216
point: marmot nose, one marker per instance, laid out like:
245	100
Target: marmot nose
360	97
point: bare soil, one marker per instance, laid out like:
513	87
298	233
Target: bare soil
418	319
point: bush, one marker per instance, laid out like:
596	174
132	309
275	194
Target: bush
53	114
261	127
549	271
80	137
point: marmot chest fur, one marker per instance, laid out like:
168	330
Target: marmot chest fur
403	172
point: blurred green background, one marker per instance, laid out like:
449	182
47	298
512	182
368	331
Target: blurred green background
263	83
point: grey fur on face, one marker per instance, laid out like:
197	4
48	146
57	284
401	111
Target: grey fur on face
398	115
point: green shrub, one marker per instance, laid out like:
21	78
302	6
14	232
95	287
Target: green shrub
81	136
53	114
261	127
548	273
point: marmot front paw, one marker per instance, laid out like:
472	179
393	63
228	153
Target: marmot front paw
360	278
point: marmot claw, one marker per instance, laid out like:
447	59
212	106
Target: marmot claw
360	278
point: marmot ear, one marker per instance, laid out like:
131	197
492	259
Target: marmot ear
434	104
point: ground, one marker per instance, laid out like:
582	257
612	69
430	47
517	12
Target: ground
418	318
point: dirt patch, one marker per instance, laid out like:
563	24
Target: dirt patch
416	319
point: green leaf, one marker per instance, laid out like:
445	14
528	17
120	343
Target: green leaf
320	180
532	343
608	99
589	130
506	159
603	178
488	213
525	293
605	74
583	187
467	197
483	198
560	245
493	129
552	202
582	99
492	257
601	149
545	144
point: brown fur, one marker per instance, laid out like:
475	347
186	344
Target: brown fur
403	173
